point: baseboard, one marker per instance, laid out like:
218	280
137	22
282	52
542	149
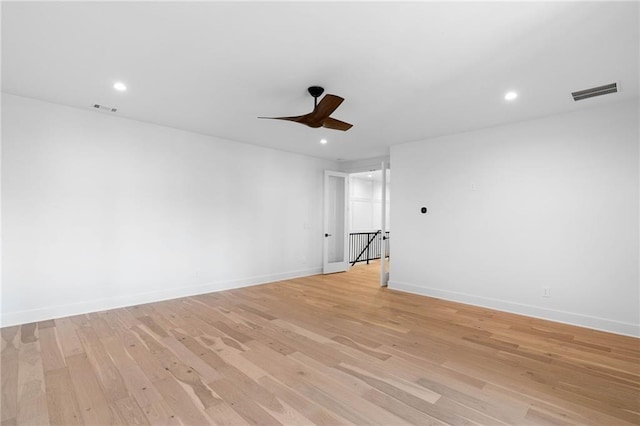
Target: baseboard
51	312
602	324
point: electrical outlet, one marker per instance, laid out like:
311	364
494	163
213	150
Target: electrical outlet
546	292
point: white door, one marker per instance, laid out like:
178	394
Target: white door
336	232
384	272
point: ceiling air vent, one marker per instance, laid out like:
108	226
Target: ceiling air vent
595	91
104	108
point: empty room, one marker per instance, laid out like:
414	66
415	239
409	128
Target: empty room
330	213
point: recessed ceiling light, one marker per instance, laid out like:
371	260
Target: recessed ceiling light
323	141
119	86
509	96
369	175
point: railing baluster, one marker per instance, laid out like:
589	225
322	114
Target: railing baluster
367	246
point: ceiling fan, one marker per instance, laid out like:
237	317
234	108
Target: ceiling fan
319	117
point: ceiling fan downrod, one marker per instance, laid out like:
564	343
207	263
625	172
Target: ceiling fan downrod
315	91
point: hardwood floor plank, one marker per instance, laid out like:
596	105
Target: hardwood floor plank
242	403
68	338
28	333
205	371
140	388
180	402
348	342
125	317
52	358
46	324
232	331
61	398
153	326
327	350
32	397
9	365
160	413
181	371
100	326
222	414
129	412
233	357
473	402
106	372
93	404
143	357
406	412
315	383
312	411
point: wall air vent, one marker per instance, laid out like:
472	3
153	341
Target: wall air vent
104	108
595	91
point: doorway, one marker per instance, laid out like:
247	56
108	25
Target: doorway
369	224
356	222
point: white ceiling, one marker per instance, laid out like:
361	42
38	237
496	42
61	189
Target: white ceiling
408	71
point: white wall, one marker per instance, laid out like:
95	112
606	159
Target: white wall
365	199
513	209
100	211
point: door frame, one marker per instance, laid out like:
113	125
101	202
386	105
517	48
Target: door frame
384	273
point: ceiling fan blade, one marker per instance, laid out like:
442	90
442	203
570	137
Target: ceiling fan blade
332	123
325	108
298	119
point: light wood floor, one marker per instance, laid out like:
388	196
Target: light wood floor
326	350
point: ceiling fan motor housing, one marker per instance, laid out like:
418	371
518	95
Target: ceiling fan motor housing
316	91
